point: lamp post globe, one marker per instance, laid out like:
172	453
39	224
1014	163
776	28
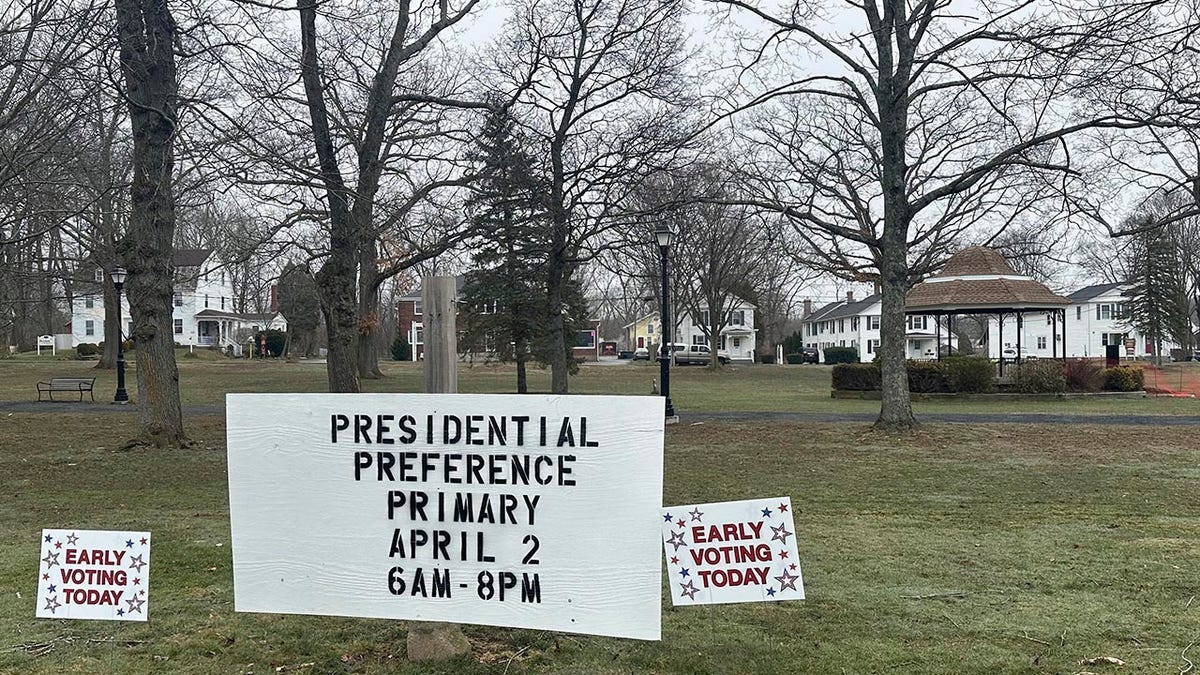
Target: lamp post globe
663	234
118	278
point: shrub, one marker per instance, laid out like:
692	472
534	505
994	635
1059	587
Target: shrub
86	349
1041	377
856	377
401	350
1124	378
926	377
969	374
1084	375
276	339
841	355
767	359
793	359
793	343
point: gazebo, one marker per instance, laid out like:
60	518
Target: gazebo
978	280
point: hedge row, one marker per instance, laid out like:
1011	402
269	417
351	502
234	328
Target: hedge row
975	374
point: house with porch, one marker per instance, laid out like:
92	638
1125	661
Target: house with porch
738	337
203	313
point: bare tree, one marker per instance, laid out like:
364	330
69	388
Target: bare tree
604	101
147	35
911	130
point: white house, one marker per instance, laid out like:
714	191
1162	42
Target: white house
1096	318
203	314
738	338
855	323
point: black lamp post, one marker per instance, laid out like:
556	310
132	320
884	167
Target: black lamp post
118	279
662	232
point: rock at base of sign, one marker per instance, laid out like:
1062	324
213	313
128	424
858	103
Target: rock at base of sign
436	641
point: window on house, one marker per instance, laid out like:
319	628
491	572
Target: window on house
1049	319
128	329
420	336
854	323
699	340
649	329
179	298
179	326
222	302
872	345
704	318
916	323
737	317
1103	312
222	276
417	307
841	325
841	343
873	322
99	275
737	343
1112	339
585	339
1079	313
1041	342
89	301
206	301
89	327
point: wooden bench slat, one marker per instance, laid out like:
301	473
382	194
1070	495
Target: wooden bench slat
73	384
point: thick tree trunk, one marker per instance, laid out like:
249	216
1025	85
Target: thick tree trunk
368	313
146	31
340	310
895	410
522	378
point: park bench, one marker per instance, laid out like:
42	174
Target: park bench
71	384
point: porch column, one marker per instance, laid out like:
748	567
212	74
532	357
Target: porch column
1000	342
1020	329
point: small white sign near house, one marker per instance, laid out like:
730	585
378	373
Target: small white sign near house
524	511
94	574
723	552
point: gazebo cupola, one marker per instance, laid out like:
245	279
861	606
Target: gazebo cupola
978	280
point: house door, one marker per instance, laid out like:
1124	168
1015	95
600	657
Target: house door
641	342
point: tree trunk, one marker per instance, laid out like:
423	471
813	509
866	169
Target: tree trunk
895	410
368	313
522	378
108	357
557	281
146	32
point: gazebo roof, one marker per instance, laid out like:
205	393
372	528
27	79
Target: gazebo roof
979	279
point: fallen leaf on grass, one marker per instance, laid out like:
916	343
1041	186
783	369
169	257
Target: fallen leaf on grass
1102	661
298	666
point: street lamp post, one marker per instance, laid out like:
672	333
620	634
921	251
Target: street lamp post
118	279
662	232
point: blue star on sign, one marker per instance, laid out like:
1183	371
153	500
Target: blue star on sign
683	571
48	538
766	513
666	519
50	589
120	612
771	592
129	543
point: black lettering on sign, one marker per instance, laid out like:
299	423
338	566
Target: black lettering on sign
529	559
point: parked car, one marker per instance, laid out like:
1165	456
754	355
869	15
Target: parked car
1011	353
641	354
810	355
696	355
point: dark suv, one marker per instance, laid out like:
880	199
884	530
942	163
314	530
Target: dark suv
810	355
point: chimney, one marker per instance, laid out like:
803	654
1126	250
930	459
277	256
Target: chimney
274	298
807	308
849	296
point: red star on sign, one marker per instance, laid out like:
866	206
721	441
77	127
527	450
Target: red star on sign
783	553
143	541
783	508
681	522
674	561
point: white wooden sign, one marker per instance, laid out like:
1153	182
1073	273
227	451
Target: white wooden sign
94	574
732	552
525	511
46	341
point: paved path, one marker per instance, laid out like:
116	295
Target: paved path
690	417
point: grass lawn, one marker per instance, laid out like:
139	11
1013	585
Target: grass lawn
961	548
693	388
